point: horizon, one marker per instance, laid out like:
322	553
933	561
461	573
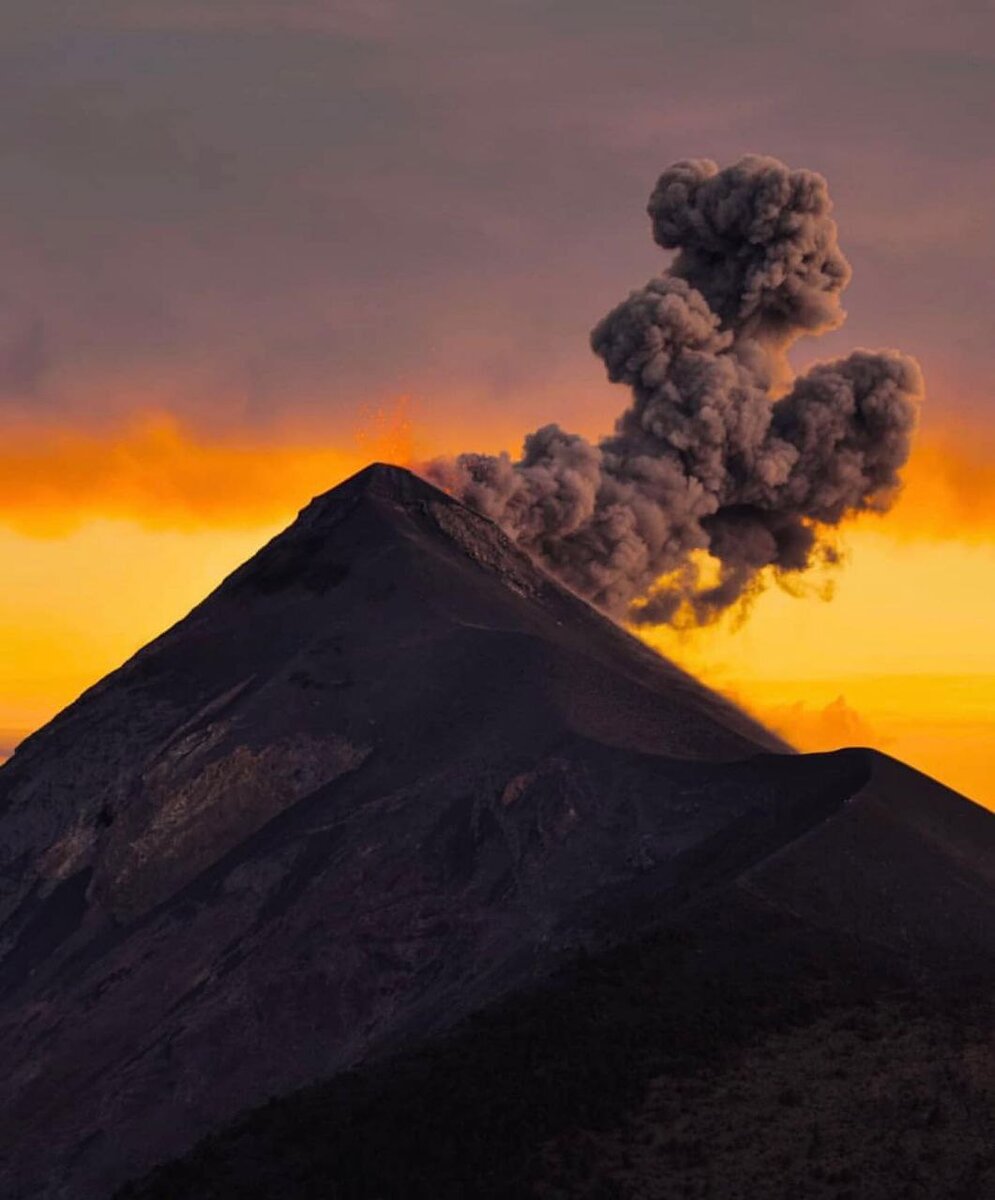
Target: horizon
822	720
224	297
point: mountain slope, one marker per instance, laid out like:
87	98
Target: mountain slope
820	1025
736	1052
387	773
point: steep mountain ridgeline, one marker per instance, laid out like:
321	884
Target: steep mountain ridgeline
388	773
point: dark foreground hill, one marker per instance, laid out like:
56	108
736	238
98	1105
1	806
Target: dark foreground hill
735	1053
387	776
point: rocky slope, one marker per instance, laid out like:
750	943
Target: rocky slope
386	774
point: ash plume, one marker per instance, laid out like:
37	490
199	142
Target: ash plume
719	450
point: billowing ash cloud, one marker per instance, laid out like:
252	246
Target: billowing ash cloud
718	450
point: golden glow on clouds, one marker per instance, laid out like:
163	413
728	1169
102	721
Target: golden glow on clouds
943	724
159	474
902	657
104	542
950	489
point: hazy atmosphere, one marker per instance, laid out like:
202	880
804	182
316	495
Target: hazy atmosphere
249	247
497	547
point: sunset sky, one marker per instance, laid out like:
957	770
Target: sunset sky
250	244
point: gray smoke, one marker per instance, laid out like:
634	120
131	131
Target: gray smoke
717	451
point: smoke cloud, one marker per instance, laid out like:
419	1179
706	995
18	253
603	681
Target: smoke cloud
719	450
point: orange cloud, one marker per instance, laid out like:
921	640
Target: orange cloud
820	728
949	489
940	724
160	474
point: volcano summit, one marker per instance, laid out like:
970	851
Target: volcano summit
386	776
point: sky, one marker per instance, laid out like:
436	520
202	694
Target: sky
250	245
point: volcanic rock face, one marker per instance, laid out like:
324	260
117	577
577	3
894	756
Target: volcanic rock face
386	773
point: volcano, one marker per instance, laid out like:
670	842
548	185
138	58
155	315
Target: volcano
388	775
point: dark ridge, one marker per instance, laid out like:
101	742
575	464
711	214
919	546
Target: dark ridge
301	555
397	484
386	775
624	1076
